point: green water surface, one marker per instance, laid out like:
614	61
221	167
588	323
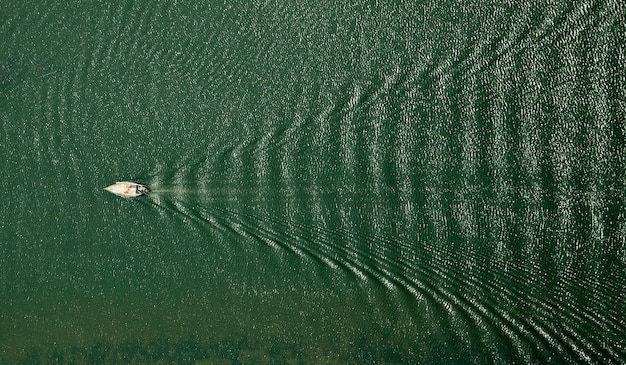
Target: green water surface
357	182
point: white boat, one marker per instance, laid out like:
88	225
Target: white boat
127	189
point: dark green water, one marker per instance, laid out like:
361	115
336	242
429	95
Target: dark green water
333	182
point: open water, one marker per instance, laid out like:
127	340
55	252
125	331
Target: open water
334	182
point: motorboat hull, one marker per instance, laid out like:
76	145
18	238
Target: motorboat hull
127	189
